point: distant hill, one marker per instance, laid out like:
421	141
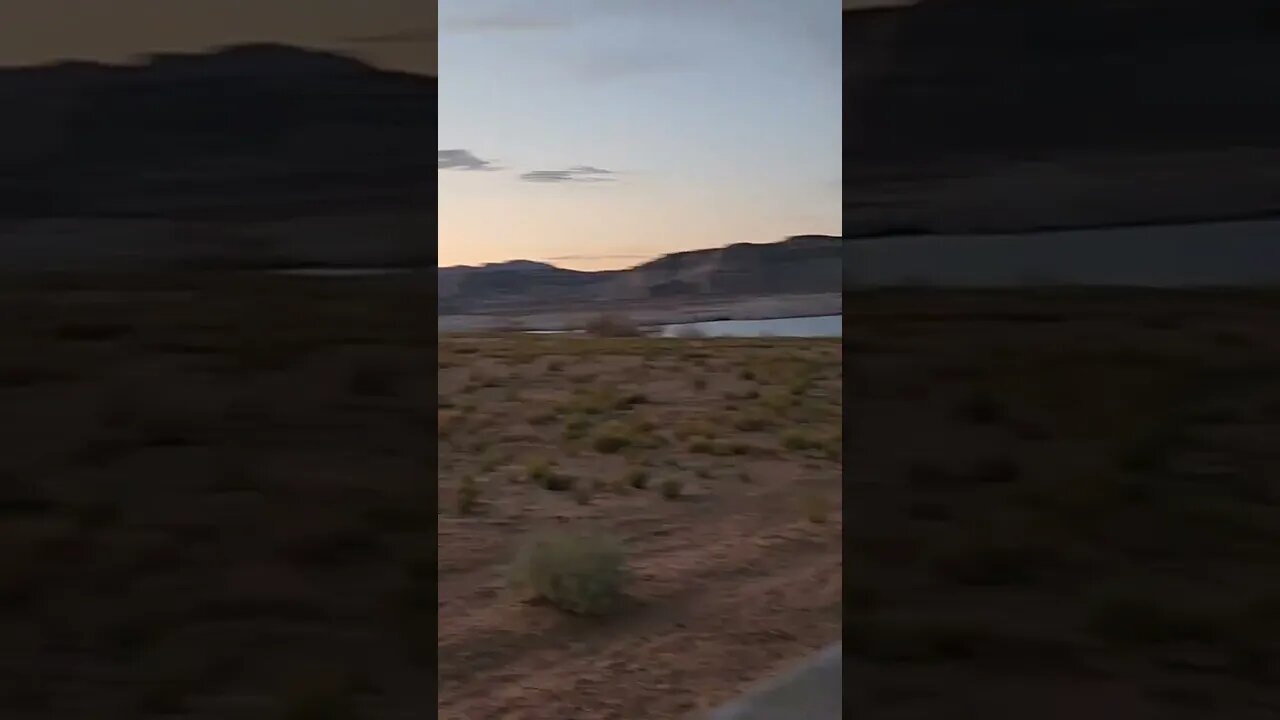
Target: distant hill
800	264
1006	115
262	153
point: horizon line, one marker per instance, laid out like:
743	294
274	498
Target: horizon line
644	258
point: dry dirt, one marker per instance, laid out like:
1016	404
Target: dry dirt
734	579
1062	504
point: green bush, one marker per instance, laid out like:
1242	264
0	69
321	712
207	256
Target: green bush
580	574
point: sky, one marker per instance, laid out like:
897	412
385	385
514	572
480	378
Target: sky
598	134
396	34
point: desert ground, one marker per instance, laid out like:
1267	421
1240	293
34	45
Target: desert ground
1062	504
215	498
713	464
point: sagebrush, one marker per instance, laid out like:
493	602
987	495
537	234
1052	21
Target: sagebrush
578	573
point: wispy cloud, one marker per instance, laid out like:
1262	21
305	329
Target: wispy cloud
461	160
780	23
579	173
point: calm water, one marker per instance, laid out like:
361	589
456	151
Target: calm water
817	326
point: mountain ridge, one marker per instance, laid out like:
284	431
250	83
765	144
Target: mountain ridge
248	154
795	265
1059	115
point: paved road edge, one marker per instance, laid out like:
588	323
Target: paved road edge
812	690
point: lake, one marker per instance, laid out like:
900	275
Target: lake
815	326
810	326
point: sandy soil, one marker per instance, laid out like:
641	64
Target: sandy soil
736	578
1062	504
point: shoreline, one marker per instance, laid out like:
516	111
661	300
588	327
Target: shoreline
773	307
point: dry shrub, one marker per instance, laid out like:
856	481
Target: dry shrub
638	478
580	574
671	488
816	508
468	496
610	325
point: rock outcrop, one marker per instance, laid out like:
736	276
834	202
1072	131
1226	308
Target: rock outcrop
1001	115
255	154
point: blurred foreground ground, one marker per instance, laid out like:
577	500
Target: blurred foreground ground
214	497
1062	504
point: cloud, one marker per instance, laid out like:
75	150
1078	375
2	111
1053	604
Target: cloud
461	160
808	28
579	173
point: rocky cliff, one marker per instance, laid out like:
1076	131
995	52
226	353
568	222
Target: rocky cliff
1002	115
801	264
258	154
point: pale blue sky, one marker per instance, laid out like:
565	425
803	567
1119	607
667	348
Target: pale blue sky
719	121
